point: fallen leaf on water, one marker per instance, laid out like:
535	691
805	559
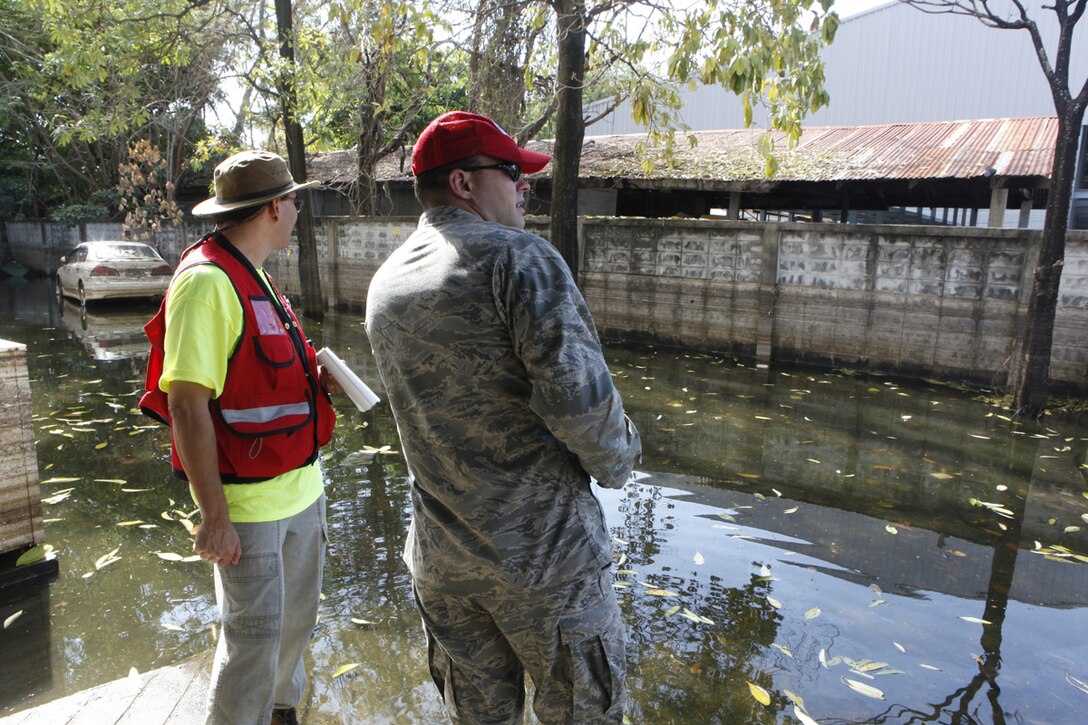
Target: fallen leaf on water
891	529
812	613
11	620
172	627
357	620
877	602
823	657
759	694
900	647
764	571
956	552
862	688
343	669
110	480
62	479
802	716
726	517
101	445
790	510
774	602
59	496
698	559
660	593
1080	685
671	611
794	698
980	437
931	667
941	476
697	618
134	522
748	475
107	559
782	648
975	620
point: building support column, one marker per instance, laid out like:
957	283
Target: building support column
734	206
999	199
1025	213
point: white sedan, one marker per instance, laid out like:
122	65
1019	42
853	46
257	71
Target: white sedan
108	270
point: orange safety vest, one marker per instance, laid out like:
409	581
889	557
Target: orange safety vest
273	414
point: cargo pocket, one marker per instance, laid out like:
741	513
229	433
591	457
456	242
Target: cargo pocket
595	645
249	587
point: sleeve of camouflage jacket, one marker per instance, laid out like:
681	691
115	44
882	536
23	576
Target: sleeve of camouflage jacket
554	336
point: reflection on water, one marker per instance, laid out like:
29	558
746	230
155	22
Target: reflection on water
877	550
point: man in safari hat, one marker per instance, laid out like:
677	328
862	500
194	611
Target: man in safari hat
506	410
234	377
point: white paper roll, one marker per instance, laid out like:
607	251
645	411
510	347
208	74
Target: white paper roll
363	397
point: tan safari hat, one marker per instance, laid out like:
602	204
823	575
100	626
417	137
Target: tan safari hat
249	178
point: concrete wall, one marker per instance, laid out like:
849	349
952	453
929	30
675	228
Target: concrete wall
915	300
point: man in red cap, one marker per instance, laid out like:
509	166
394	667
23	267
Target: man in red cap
506	410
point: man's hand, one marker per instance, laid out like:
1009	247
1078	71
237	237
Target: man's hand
328	381
218	543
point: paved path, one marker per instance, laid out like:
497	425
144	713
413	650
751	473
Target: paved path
165	696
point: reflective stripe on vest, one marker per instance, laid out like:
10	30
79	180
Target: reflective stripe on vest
263	415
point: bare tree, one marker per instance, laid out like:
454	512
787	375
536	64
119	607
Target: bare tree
1031	372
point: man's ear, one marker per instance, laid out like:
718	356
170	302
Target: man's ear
460	183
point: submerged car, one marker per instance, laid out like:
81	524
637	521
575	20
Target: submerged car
112	270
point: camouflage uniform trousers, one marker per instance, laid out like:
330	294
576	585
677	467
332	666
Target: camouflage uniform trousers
571	641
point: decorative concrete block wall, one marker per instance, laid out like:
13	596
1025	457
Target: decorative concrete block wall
20	496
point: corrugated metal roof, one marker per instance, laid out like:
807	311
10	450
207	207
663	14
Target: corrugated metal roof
908	151
1021	147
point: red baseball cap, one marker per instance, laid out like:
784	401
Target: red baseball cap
457	135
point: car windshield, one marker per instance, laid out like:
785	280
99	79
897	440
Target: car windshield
124	251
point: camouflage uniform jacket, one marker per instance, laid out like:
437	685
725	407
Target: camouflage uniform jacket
504	405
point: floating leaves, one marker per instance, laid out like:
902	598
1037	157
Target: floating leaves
995	507
698	559
863	689
60	479
107	559
58	496
344	669
11	619
891	529
697	618
812	613
1079	684
360	621
171	556
761	696
975	620
802	716
661	593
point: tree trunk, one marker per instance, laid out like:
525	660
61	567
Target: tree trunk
1032	373
313	303
570	129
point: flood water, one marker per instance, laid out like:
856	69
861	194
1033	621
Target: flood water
881	551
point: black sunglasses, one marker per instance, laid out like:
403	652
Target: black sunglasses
296	201
507	167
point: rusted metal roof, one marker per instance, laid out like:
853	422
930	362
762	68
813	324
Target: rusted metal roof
1011	147
1021	147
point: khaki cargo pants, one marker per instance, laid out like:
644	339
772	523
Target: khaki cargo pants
570	640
